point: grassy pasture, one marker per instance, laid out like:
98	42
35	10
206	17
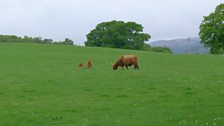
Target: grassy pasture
41	85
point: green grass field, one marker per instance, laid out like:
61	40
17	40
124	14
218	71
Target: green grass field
41	85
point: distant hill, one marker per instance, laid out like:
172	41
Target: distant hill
182	46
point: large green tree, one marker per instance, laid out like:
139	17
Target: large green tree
118	34
212	30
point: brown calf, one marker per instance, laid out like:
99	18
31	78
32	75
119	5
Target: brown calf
88	65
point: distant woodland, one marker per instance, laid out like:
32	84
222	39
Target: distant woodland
26	39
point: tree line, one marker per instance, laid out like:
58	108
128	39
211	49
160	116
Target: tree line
67	41
26	39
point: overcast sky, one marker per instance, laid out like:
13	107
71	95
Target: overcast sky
59	19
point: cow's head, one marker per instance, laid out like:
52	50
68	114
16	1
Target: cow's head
115	66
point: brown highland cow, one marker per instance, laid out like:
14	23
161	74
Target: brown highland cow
126	60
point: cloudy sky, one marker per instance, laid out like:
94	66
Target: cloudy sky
59	19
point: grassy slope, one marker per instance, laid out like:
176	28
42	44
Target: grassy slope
41	85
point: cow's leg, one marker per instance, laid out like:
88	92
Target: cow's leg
126	67
136	66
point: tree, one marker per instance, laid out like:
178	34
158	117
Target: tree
212	30
49	41
37	39
117	34
68	41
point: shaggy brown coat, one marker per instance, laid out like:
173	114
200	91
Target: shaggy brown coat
126	60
